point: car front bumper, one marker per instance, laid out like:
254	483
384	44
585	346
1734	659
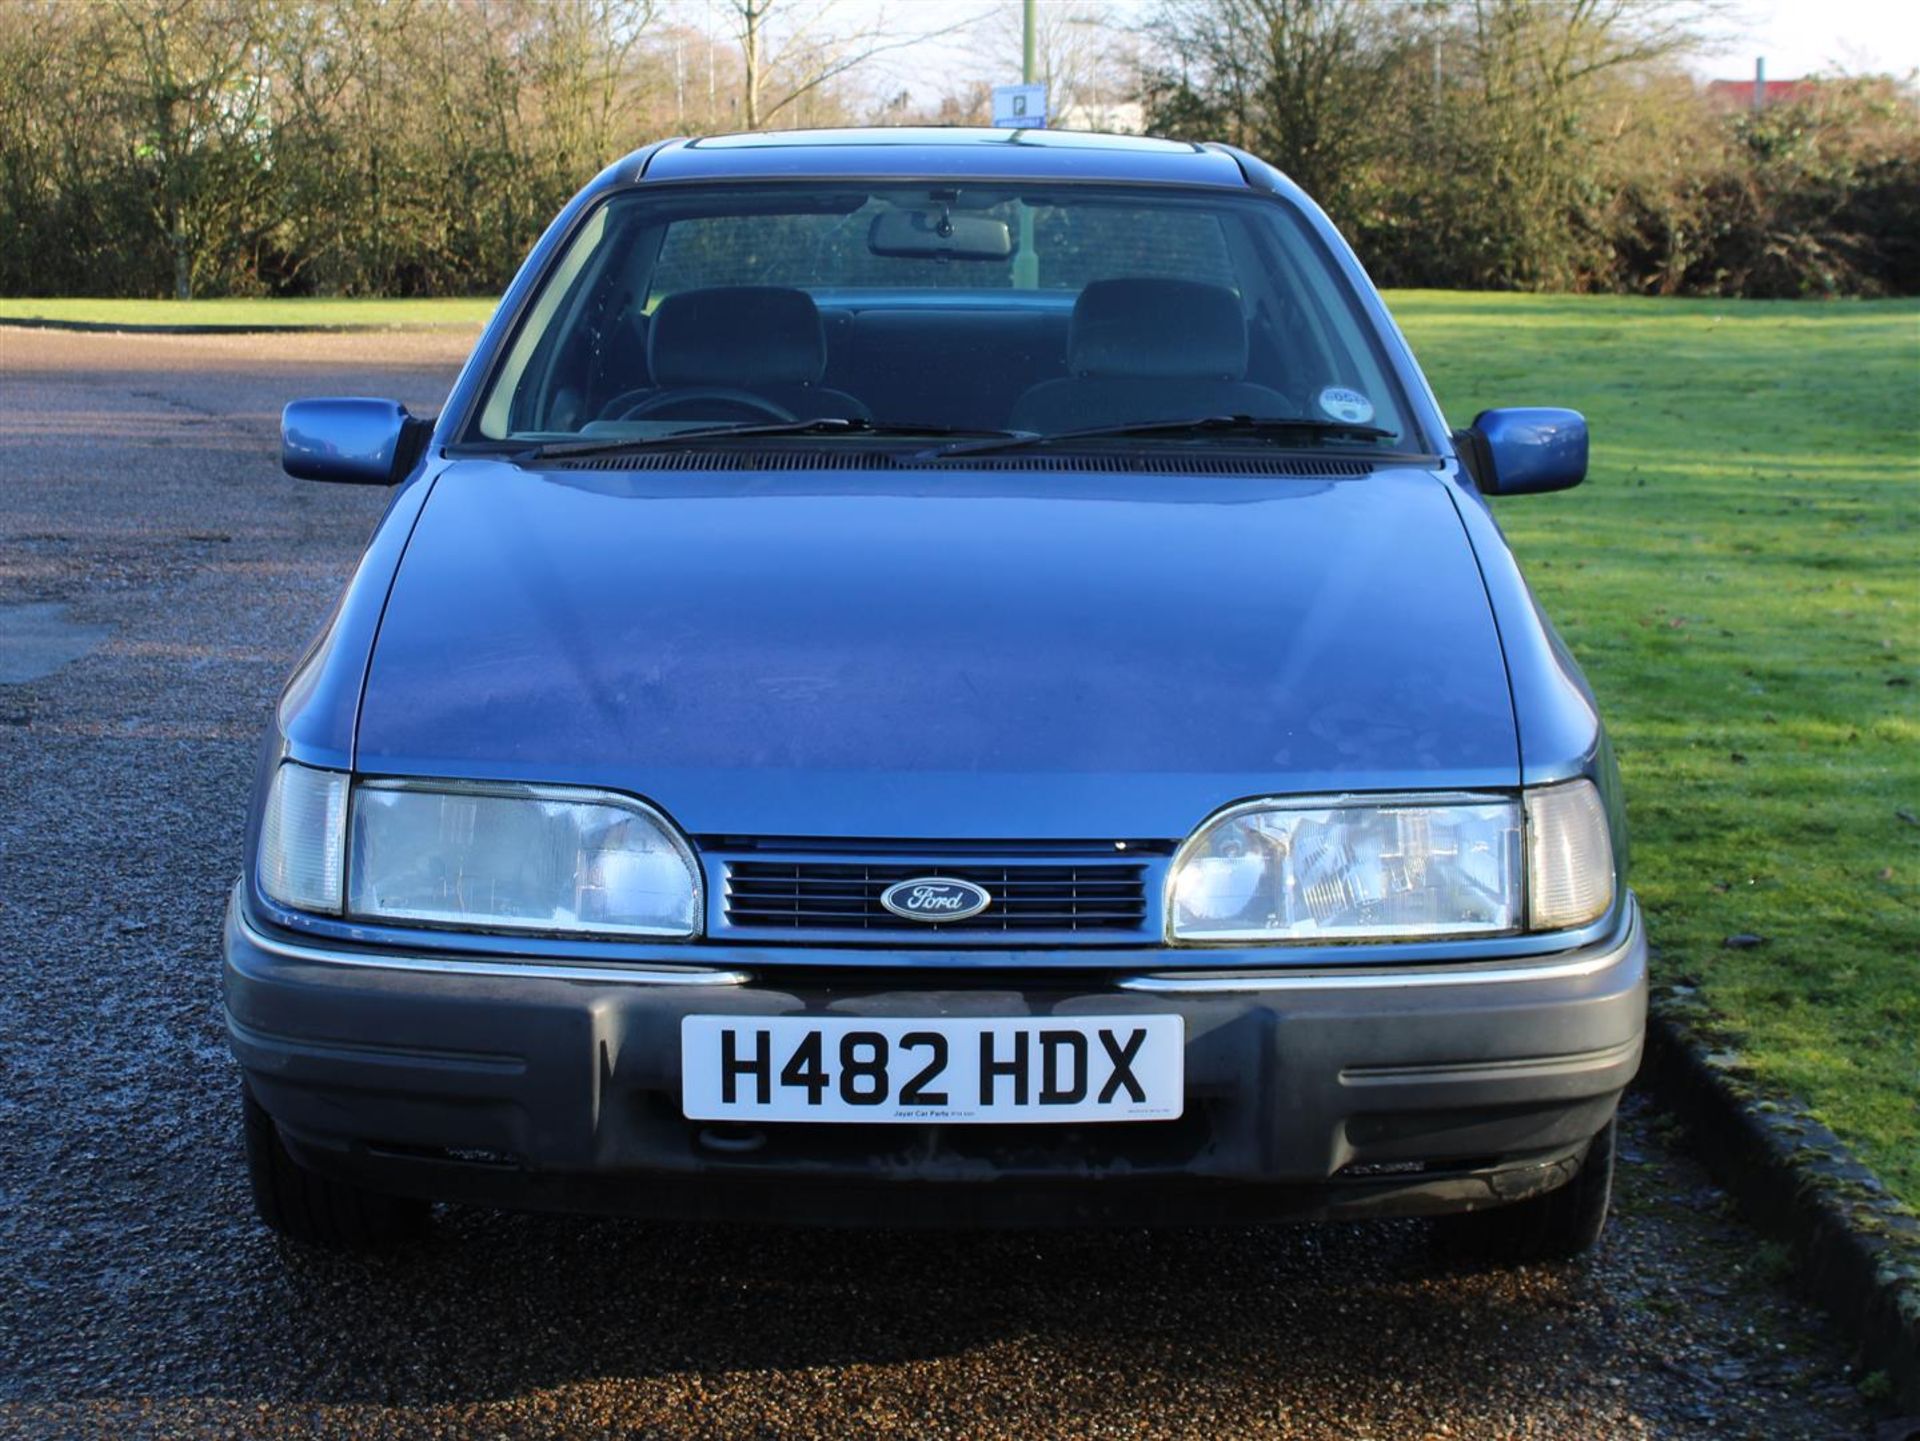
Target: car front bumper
1326	1093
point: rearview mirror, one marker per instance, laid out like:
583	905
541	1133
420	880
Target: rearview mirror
927	234
1525	451
350	441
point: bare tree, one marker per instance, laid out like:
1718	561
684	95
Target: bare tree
969	104
201	89
1303	81
1525	118
582	56
791	48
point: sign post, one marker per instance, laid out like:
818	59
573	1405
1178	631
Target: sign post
1024	107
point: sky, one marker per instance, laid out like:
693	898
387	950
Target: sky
1799	37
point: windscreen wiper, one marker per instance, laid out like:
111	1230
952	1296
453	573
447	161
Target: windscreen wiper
821	425
1261	427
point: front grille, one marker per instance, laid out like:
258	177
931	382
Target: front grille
819	895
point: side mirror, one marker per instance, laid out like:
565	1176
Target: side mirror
1524	451
350	442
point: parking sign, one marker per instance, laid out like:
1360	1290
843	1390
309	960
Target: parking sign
1020	107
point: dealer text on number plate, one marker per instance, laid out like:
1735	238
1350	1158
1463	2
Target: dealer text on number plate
816	1068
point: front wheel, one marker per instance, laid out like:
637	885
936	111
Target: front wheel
313	1209
1558	1226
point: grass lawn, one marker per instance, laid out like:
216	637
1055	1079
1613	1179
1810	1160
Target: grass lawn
1740	578
263	314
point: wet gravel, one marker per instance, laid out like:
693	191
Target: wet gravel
138	1298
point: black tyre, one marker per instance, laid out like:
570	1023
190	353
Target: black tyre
1558	1226
317	1210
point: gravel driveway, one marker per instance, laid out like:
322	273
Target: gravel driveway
158	575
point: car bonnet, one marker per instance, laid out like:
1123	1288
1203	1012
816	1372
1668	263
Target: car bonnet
940	653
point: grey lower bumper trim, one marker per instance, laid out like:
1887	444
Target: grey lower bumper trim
1627	1053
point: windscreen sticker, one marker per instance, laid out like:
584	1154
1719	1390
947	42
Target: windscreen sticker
1348	405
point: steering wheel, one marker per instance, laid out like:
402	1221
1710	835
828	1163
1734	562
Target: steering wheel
660	400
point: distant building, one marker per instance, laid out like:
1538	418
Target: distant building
1740	94
1126	117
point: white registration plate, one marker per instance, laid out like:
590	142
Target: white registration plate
815	1068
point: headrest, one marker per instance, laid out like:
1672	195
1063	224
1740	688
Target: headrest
737	335
1157	328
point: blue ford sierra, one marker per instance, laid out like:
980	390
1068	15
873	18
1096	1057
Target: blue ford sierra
938	677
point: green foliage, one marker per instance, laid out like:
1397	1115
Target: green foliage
1817	197
292	146
1738	579
418	147
338	147
1549	145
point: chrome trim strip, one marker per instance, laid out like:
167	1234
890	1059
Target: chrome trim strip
462	966
1570	968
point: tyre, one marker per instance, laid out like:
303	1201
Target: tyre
314	1209
1558	1226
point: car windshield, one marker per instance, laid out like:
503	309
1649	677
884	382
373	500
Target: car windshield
843	310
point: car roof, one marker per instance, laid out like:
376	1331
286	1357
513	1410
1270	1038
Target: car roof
937	153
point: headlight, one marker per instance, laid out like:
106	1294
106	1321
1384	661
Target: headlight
303	838
522	858
1350	870
1410	868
